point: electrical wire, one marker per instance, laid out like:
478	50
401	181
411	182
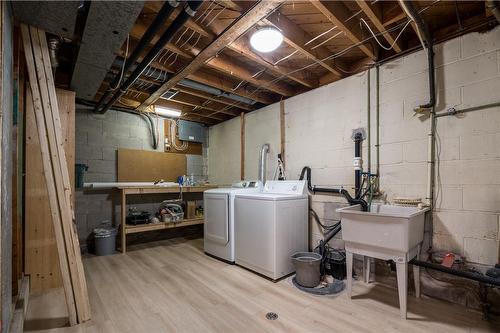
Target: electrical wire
331	57
123	67
318	221
395	40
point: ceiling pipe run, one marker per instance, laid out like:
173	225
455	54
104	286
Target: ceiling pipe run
425	37
159	21
152	73
188	12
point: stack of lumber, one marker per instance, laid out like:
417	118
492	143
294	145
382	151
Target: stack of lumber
56	172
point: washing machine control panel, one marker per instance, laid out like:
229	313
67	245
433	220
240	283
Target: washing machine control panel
246	184
297	187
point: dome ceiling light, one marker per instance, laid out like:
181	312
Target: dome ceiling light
266	40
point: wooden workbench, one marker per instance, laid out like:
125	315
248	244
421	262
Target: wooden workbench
131	229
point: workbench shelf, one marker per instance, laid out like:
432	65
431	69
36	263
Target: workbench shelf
132	229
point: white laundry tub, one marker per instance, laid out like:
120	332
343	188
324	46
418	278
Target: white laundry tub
386	232
394	228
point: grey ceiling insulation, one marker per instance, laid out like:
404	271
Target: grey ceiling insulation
57	17
106	29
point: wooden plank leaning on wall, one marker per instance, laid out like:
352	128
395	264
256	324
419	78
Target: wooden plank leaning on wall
41	258
56	172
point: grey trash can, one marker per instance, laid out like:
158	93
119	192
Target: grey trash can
105	240
307	268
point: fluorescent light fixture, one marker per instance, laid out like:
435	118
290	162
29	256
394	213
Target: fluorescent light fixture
167	112
266	40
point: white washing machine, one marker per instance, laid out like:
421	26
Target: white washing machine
270	226
219	218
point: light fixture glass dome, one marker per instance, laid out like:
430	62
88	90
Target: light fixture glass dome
266	40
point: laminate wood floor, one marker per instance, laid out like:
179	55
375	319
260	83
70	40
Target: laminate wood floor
172	286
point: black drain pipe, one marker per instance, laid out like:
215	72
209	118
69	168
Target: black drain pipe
188	12
358	139
306	174
465	274
158	22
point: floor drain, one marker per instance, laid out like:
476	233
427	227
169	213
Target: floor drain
271	316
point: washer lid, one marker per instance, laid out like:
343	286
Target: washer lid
270	196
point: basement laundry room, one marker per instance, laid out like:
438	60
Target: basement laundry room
250	166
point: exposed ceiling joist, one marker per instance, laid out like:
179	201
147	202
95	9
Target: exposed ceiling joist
190	109
222	64
219	82
214	98
194	101
241	46
298	38
242	24
337	13
374	13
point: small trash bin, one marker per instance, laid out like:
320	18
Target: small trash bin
307	268
105	240
79	173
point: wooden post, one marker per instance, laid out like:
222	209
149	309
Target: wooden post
242	142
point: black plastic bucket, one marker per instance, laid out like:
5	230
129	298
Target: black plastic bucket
307	268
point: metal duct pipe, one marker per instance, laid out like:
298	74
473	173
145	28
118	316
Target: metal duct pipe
494	6
163	76
188	12
155	26
211	90
262	162
423	29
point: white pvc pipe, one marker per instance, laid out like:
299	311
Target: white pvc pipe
128	184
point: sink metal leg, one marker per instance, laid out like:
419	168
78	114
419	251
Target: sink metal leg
402	273
416	275
348	256
366	269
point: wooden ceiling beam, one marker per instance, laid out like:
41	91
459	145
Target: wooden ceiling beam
297	38
239	26
210	97
241	46
374	13
215	81
204	104
186	108
223	64
338	13
186	111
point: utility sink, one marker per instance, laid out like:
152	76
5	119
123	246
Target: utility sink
386	232
390	227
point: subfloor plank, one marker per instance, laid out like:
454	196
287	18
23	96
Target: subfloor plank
172	286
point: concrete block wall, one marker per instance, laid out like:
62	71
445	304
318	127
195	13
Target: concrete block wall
262	126
98	138
224	152
319	124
